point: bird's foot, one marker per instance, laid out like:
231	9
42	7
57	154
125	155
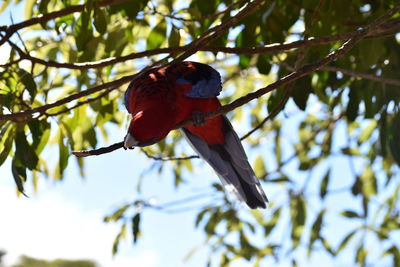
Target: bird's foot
198	118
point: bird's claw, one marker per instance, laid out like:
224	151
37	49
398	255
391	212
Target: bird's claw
198	118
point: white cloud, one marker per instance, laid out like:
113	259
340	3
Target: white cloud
48	227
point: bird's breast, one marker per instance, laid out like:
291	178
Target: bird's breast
211	131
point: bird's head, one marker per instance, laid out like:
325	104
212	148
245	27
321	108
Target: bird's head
147	128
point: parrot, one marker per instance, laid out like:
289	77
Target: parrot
162	97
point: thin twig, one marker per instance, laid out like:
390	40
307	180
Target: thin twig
366	76
99	151
168	158
270	115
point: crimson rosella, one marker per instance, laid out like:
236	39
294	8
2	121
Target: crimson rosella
162	97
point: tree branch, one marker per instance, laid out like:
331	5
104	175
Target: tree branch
392	27
99	151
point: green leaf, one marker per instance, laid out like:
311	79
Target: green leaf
361	254
259	167
356	188
19	174
394	138
298	218
29	4
129	8
394	251
157	35
244	61
200	216
100	20
383	133
4	5
117	214
345	240
269	226
63	155
246	249
43	140
369	52
83	30
350	214
367	132
315	230
301	92
6	141
118	238
205	9
353	104
213	221
24	152
369	183
90	136
174	37
327	246
263	65
136	227
27	80
324	184
40	131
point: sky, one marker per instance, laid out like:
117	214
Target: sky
65	219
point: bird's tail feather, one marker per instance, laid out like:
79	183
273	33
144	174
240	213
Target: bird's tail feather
230	162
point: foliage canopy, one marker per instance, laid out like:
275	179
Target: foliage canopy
330	68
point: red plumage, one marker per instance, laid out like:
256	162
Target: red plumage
163	97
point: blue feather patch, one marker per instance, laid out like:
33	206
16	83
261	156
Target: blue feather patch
126	97
205	81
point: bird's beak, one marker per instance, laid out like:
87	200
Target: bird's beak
130	141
